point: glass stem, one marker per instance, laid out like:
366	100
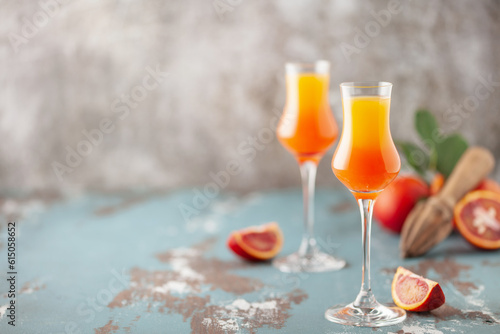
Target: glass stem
365	298
308	173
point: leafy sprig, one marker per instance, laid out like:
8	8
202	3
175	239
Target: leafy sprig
436	151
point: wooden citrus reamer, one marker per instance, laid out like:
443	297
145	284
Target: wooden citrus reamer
430	221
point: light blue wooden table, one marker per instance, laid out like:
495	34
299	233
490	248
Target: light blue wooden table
131	263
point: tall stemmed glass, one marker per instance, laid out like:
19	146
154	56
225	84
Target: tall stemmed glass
307	129
366	161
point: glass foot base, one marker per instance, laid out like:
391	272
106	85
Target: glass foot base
377	316
319	262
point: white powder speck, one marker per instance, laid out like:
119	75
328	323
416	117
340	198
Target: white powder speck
181	266
206	321
173	286
240	304
421	329
269	305
266	309
188	272
229	325
178	263
474	298
3	308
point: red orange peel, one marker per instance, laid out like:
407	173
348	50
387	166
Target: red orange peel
416	293
257	242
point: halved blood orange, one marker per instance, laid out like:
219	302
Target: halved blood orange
415	293
477	216
257	242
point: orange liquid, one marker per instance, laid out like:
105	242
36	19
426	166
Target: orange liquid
307	127
366	160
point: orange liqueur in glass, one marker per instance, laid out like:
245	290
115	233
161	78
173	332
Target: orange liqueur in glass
366	160
307	127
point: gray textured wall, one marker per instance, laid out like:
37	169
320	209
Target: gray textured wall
69	67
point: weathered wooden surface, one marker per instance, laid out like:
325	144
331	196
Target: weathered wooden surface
132	264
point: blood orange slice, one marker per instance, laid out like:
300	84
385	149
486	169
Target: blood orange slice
415	293
477	216
257	242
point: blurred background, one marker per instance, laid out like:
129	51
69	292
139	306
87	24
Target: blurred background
115	94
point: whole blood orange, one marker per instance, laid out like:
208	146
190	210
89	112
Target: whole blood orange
397	200
486	184
489	184
257	243
437	183
477	216
415	293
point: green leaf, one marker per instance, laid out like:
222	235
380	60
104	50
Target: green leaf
427	127
449	152
415	156
433	157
